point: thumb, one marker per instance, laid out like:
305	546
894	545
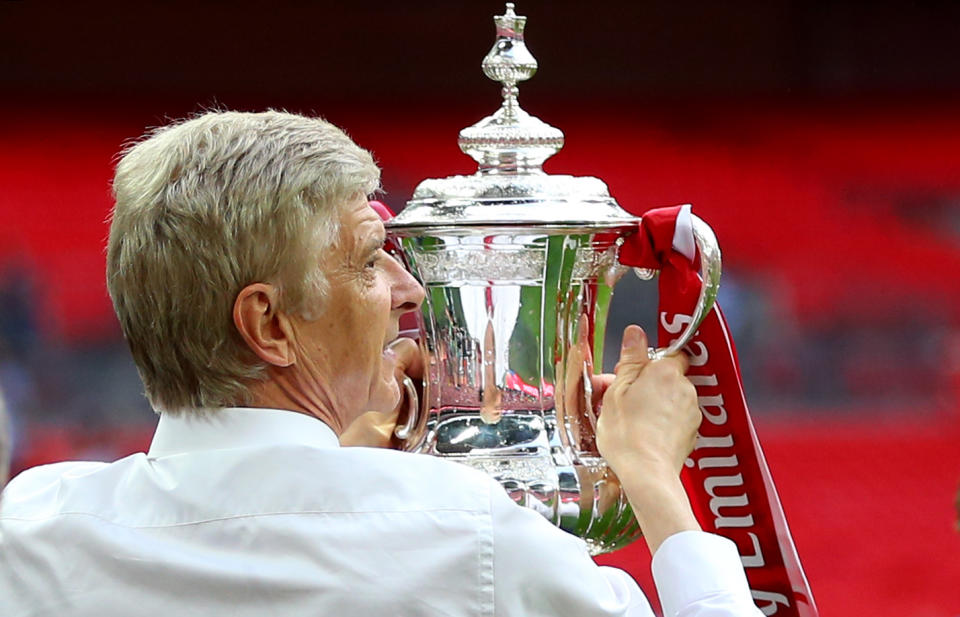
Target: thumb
409	357
633	353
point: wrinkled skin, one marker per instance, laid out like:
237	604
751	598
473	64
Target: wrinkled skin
335	363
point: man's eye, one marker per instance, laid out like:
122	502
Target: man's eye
374	260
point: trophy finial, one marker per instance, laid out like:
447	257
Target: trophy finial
509	60
511	140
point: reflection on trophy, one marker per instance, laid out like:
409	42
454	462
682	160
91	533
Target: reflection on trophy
519	268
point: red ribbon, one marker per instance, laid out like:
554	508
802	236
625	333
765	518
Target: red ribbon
727	478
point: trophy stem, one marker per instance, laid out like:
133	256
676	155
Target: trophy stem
511	141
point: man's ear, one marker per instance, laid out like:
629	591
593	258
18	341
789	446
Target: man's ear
263	327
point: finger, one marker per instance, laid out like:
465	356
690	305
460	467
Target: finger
680	360
409	357
667	367
600	385
602	381
633	353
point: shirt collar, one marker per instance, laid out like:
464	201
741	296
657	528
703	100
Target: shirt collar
237	427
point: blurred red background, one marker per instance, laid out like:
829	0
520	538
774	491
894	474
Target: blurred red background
821	142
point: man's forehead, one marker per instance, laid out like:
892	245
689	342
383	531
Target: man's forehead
363	224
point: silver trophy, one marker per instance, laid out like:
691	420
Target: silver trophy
519	268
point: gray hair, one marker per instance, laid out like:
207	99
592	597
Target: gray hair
205	207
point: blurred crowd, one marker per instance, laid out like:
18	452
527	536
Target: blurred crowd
83	399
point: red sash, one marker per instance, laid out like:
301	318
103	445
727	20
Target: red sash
727	479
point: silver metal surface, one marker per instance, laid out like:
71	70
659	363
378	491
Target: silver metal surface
519	268
511	140
413	410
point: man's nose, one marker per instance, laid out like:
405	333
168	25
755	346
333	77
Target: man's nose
407	292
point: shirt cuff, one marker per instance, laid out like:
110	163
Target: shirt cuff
691	567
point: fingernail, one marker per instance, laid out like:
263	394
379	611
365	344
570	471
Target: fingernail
631	338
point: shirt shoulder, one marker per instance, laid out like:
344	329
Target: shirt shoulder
37	492
285	529
408	480
138	491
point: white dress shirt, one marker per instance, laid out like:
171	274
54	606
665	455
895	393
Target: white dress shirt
245	512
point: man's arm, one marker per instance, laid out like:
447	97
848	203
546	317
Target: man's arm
646	430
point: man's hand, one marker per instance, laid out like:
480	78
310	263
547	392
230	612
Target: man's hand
647	427
375	429
650	415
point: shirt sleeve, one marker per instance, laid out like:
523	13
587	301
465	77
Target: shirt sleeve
541	570
700	575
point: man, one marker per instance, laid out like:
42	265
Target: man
249	276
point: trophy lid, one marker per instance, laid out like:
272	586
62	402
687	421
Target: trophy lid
510	187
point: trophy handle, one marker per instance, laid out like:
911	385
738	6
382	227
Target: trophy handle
413	405
710	266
